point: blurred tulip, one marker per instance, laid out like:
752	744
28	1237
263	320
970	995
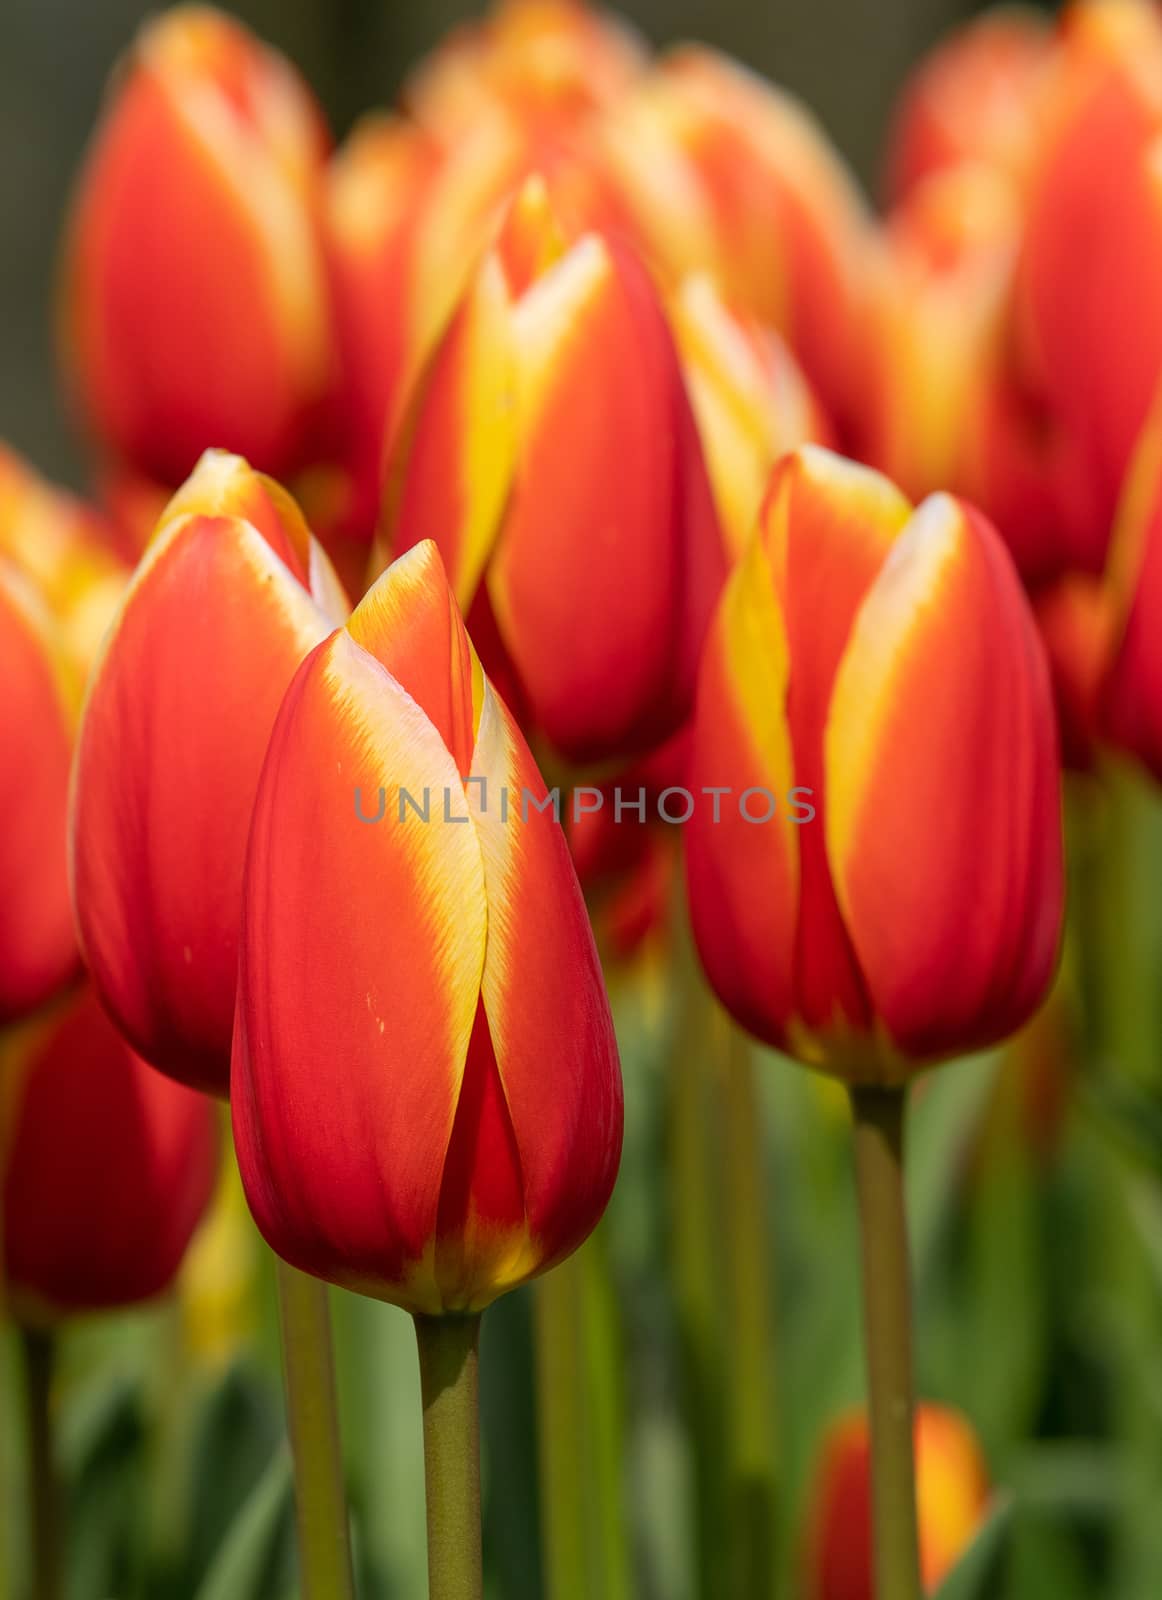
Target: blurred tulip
218	1285
1075	618
195	309
1131	692
426	1094
721	172
228	599
38	952
66	553
873	676
553	454
109	1169
952	1490
1091	272
751	401
976	97
550	62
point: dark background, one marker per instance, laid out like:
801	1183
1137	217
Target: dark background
846	58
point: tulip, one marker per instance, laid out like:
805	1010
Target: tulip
66	552
750	398
1130	693
553	455
1075	619
195	307
975	98
721	172
38	953
884	661
109	1169
465	1134
1090	307
230	596
952	1489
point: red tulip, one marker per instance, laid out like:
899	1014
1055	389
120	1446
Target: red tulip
195	310
552	454
38	952
109	1168
228	599
1130	695
976	97
894	893
426	1096
952	1489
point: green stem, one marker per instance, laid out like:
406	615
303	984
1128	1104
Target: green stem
43	1488
879	1142
450	1389
313	1425
750	1320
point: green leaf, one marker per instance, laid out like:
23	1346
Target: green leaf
256	1560
974	1575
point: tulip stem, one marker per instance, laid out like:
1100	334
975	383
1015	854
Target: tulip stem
450	1389
313	1425
879	1148
43	1487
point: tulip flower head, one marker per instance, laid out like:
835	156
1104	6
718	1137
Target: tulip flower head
952	1489
426	1093
885	660
195	309
38	952
109	1168
553	455
230	596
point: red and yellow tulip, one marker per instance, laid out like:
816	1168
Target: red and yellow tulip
952	1490
230	596
195	307
552	453
108	1168
883	660
426	1093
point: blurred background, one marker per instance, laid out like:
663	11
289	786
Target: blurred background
846	58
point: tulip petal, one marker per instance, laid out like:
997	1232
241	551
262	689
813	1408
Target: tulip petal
944	829
38	951
171	744
361	957
547	1014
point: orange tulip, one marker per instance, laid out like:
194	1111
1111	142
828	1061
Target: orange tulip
109	1168
952	1490
1091	270
1130	696
426	1095
195	309
38	952
976	97
721	172
750	398
878	883
228	599
553	455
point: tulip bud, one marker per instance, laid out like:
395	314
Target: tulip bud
1130	707
194	291
722	172
1091	270
109	1168
38	952
974	98
553	455
228	599
66	553
426	1095
882	885
751	401
951	1497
